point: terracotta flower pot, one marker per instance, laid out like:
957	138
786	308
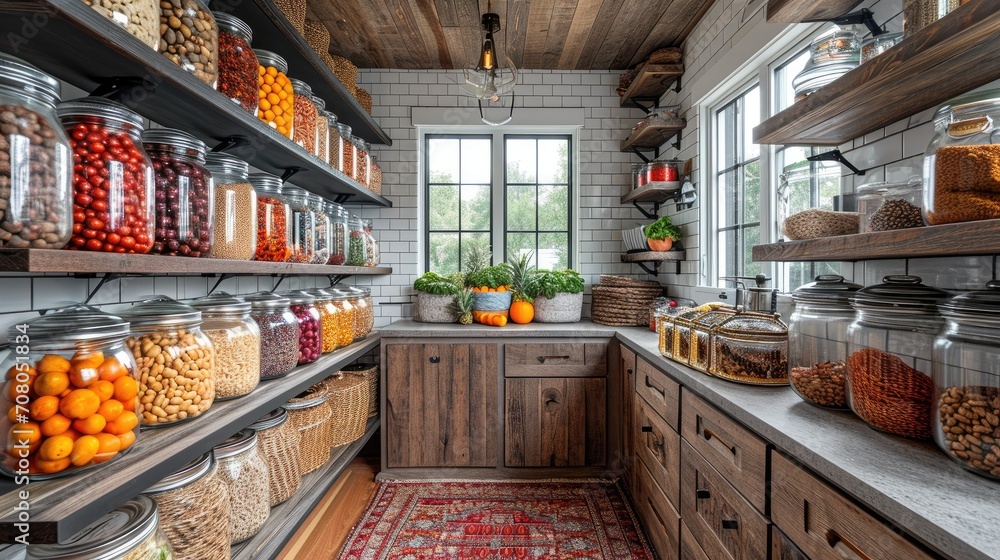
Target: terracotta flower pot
660	245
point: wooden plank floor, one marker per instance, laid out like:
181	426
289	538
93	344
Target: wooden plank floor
324	532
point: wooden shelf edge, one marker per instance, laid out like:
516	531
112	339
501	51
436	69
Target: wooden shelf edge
650	137
650	193
795	11
653	256
672	72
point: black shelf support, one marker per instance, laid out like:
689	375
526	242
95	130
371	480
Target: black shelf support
655	271
654	215
231	142
110	277
281	279
289	173
116	88
336	278
342	198
222	278
837	156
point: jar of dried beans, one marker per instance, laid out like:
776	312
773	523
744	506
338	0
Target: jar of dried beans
346	159
279	334
817	336
962	161
278	441
357	242
331	319
889	355
274	242
141	18
966	371
112	177
307	314
183	193
750	348
303	230
238	63
339	233
275	94
322	129
244	472
190	38
305	115
234	221
321	231
36	181
236	340
887	206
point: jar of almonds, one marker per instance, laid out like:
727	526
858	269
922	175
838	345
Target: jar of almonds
236	339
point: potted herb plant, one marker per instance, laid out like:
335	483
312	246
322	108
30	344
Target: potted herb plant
558	296
661	234
435	298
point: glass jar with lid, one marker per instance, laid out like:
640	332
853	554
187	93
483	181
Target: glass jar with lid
889	355
238	64
303	229
305	114
347	327
966	371
372	255
364	311
886	206
113	194
701	331
817	337
190	38
194	510
236	340
346	159
800	179
243	471
129	532
662	172
836	45
360	161
321	231
141	18
332	155
176	361
278	442
234	221
276	111
331	319
339	233
37	202
307	314
274	240
962	161
874	46
665	328
918	14
357	246
751	348
681	341
309	413
183	193
279	333
321	147
62	410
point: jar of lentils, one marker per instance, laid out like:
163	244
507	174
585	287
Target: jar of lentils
322	129
303	230
278	443
339	233
307	314
190	38
244	472
305	115
309	413
274	244
236	340
234	221
279	330
276	96
237	62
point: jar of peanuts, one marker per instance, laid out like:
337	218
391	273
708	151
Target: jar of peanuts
889	355
305	115
276	96
236	339
274	219
234	224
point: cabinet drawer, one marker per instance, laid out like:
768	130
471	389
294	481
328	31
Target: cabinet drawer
725	525
660	519
658	446
556	360
827	525
782	548
661	392
690	549
735	452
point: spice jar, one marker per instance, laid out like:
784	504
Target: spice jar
310	415
176	361
751	348
887	206
701	330
278	443
69	393
966	372
321	147
236	340
321	231
962	162
279	334
194	510
356	246
303	230
918	14
346	161
141	18
339	233
305	113
183	193
234	221
244	472
36	201
332	155
332	320
129	532
276	96
274	244
190	38
237	62
307	314
817	336
112	177
889	355
661	172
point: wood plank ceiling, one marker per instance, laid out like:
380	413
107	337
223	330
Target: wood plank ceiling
549	34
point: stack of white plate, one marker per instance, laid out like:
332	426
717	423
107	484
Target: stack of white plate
634	239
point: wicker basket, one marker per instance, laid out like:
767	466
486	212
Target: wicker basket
369	371
347	396
345	71
623	302
295	11
310	414
364	98
317	35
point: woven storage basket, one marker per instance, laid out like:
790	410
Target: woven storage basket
364	98
310	414
563	308
434	308
369	371
317	35
347	396
346	72
295	11
623	302
278	442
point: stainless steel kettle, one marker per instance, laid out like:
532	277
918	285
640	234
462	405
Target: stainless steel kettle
759	298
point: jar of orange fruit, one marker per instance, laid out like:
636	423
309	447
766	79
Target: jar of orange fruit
70	393
276	105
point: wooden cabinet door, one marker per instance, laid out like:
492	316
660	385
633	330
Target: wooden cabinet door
441	405
555	422
625	464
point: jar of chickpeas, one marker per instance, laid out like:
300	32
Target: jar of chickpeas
277	97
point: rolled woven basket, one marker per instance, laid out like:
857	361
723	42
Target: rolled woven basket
295	11
563	308
432	308
491	301
346	72
364	98
317	35
369	372
347	396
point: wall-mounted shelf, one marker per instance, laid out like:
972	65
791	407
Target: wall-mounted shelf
947	58
645	259
652	81
794	11
651	137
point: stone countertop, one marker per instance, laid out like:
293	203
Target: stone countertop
412	329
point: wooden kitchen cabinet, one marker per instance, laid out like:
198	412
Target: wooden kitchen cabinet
626	460
555	422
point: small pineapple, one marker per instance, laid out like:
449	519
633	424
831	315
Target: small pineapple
463	304
477	257
520	273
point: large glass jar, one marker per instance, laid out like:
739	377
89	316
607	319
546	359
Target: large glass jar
183	193
303	230
376	181
887	206
339	233
918	14
347	326
345	161
967	381
112	177
36	180
331	319
278	441
237	62
176	361
236	340
361	161
276	96
889	355
274	244
244	472
305	114
962	161
332	155
279	334
321	148
141	18
751	348
372	255
129	532
190	38
307	314
69	393
357	242
364	311
321	231
309	413
194	510
798	181
701	331
234	222
817	337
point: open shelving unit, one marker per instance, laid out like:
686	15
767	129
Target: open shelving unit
651	137
645	259
652	81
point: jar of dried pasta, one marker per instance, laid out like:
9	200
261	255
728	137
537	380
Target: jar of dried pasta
309	413
278	442
244	472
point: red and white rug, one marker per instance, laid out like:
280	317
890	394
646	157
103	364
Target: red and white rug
497	520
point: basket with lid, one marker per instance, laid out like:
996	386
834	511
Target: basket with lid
245	473
751	348
309	413
700	332
236	339
278	442
369	371
347	397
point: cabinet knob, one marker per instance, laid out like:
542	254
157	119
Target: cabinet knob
629	371
730	524
647	428
702	494
435	359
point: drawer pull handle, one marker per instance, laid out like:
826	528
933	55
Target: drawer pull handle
709	435
646	429
703	493
629	371
543	359
730	524
658	390
845	548
435	359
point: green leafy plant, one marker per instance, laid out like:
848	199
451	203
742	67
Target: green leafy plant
491	276
521	275
548	283
663	229
434	283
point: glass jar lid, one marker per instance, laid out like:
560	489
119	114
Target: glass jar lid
750	324
320	294
240	442
113	535
296	194
162	312
101	108
339	293
223	303
345	130
320	104
975	305
76	323
338	210
233	24
331	118
168	139
267	300
969	105
900	294
187	474
830	289
307	399
297	297
301	88
272	419
16	73
225	164
265	182
268	58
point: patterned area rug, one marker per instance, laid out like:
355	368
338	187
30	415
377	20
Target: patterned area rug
497	520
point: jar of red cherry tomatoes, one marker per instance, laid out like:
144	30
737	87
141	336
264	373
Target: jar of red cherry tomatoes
112	177
310	332
661	172
183	193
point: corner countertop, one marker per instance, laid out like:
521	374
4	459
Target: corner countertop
407	328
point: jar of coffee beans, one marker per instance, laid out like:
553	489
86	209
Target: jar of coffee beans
887	206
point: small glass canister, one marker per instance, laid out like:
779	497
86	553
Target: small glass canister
305	114
887	206
701	332
874	46
276	96
303	229
817	336
279	334
339	233
234	225
751	348
889	355
278	442
194	510
176	361
361	299
238	63
376	176
681	341
274	217
306	312
244	472
321	231
190	38
666	331
332	155
309	413
662	172
361	161
331	318
236	340
346	149
322	146
372	255
918	14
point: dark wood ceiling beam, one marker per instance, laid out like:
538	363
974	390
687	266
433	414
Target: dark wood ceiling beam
633	41
539	23
430	27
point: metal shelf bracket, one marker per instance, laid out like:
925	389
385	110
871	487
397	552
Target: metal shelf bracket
654	215
222	278
289	173
281	278
342	198
118	88
655	271
231	142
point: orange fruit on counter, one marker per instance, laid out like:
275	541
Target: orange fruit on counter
125	389
55	425
44	407
49	467
53	362
104	389
127	439
51	383
108	443
90	425
80	403
55	448
126	422
111	409
111	369
84	450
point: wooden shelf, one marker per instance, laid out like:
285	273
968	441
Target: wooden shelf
653	256
653	192
286	518
794	11
968	238
100	50
652	81
947	58
64	506
650	137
